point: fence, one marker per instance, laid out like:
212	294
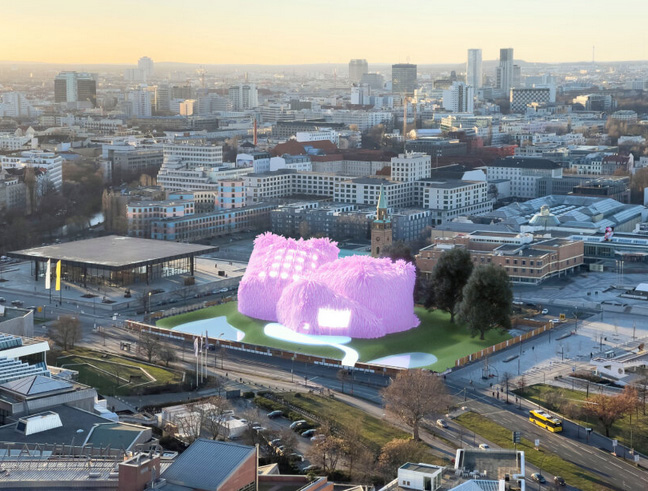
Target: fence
503	345
264	350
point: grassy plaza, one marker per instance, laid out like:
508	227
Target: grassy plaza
435	335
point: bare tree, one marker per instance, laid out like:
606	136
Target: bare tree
414	395
167	354
326	453
397	451
213	416
353	448
344	375
150	345
190	423
67	331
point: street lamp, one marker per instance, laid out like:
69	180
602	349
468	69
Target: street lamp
220	343
292	371
149	301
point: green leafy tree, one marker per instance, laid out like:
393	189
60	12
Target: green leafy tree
400	250
487	300
449	277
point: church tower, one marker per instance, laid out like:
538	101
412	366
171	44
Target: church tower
381	228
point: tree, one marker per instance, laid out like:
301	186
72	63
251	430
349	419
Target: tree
449	277
67	331
398	451
213	415
414	395
400	251
326	453
487	300
609	409
150	345
353	449
167	355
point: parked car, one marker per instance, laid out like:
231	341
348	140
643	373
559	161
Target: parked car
295	457
308	433
554	321
274	443
223	290
545	311
484	446
294	424
442	423
317	438
3	299
258	428
312	467
17	303
275	414
537	477
559	481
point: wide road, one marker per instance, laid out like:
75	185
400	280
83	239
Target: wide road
611	470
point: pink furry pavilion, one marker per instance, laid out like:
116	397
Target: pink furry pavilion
357	296
276	262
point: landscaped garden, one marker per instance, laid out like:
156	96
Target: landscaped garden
435	335
114	375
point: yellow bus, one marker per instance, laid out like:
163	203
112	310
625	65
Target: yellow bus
545	420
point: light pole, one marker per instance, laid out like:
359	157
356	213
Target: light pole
292	371
220	342
149	301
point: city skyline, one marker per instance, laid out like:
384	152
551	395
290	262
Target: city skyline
277	33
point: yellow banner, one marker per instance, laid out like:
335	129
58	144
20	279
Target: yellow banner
58	276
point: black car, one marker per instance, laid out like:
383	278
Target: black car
559	481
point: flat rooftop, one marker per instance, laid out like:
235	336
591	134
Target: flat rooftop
113	252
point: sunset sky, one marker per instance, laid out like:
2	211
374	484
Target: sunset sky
318	31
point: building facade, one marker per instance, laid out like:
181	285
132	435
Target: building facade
474	68
404	78
357	68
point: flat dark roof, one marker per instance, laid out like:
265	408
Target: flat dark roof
113	252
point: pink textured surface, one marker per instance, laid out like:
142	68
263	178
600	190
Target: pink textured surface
383	287
300	305
302	285
275	263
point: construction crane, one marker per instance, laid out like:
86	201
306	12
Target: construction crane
201	75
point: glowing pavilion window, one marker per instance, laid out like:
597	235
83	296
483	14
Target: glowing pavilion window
334	318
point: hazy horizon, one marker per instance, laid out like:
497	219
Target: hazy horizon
288	32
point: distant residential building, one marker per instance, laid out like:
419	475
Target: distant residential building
141	214
283	130
146	66
140	103
507	74
404	78
374	80
49	164
194	154
362	119
523	173
231	194
196	227
13	192
244	97
412	166
357	68
162	98
520	98
595	102
474	69
361	95
75	88
16	105
129	160
319	135
626	116
459	98
437	147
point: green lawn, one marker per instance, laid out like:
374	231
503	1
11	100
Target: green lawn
110	374
631	431
550	463
435	335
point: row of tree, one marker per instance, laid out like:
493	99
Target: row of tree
479	296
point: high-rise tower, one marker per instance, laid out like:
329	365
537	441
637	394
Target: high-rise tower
357	68
505	70
474	68
73	87
404	79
